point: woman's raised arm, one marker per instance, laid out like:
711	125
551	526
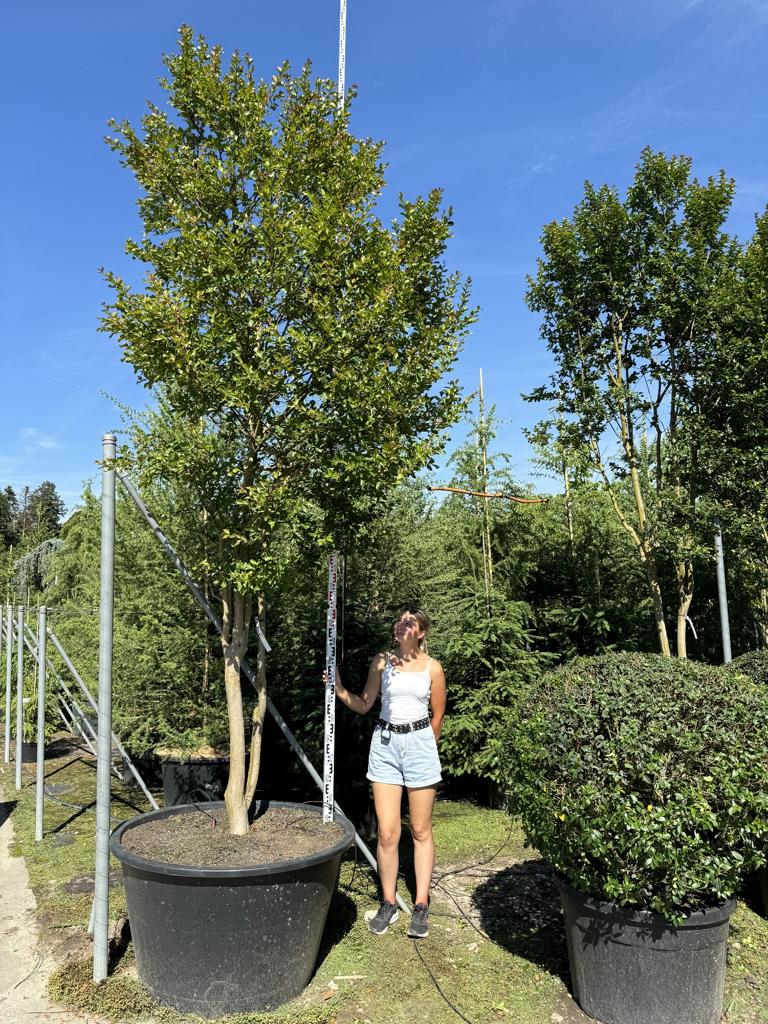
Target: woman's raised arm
362	703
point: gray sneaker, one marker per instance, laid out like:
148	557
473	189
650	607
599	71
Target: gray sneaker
419	927
381	919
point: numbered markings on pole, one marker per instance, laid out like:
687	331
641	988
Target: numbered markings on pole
330	688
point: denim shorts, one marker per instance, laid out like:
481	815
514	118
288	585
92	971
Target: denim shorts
404	758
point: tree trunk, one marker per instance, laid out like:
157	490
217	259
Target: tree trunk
234	641
651	572
684	577
569	514
259	711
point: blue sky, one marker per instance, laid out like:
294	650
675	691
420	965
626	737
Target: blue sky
509	105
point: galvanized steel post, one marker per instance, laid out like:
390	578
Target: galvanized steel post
40	774
725	627
8	680
19	691
104	758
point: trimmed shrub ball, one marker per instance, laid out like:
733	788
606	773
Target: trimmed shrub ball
643	779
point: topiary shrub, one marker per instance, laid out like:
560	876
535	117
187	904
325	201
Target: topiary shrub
753	664
642	779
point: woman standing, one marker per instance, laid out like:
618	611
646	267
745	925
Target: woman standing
403	754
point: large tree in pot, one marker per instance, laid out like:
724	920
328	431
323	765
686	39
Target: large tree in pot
298	347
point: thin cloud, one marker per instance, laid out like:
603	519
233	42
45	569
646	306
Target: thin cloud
35	439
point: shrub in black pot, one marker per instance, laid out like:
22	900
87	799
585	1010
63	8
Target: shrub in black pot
644	781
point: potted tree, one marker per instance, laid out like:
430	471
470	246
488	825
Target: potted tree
642	780
296	348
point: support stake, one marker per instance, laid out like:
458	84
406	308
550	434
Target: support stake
40	773
19	690
8	680
104	757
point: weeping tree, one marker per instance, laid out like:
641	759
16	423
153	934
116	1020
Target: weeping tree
298	348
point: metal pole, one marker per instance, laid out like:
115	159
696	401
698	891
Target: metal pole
330	688
8	680
40	776
19	690
342	50
104	758
722	595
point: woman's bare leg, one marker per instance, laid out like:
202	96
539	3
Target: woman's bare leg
386	800
420	803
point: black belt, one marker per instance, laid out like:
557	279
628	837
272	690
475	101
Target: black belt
403	726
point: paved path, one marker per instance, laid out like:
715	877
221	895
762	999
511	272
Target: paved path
24	968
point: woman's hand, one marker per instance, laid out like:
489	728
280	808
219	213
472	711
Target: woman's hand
338	677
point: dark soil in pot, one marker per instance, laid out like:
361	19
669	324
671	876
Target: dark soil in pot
201	838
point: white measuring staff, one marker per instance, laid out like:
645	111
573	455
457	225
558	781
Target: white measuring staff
333	558
342	49
330	687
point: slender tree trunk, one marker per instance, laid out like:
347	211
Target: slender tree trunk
684	577
652	575
568	511
259	711
486	528
237	613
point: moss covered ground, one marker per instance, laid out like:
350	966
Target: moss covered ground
495	952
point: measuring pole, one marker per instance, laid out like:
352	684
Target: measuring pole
330	687
104	758
19	691
331	622
8	680
342	50
40	774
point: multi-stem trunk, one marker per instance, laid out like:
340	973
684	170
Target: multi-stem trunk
642	537
234	641
684	580
241	787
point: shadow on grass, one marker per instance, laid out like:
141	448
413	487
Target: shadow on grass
520	911
62	767
6	809
73	817
342	915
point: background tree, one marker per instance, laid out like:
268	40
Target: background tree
634	294
47	509
298	345
9	511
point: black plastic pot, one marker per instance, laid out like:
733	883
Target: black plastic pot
215	941
763	879
634	967
192	780
28	753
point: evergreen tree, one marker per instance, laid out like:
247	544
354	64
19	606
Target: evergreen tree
47	509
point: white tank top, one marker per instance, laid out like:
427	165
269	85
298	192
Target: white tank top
404	695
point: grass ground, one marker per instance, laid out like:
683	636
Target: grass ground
496	950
